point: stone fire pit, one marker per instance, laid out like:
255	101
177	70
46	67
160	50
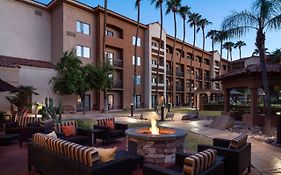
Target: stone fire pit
156	148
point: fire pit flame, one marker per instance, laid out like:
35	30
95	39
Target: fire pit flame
153	129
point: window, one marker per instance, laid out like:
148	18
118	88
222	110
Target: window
224	67
154	44
82	51
82	27
138	61
109	33
153	62
153	79
138	79
217	85
138	41
109	57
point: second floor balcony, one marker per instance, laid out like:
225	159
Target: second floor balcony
118	84
180	73
117	63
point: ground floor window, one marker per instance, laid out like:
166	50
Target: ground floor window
153	100
87	103
138	101
110	101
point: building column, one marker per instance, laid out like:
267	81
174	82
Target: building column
226	100
209	97
254	101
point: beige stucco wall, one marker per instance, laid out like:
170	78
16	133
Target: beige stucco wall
22	33
250	61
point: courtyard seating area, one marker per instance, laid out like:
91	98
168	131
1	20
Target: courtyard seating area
202	152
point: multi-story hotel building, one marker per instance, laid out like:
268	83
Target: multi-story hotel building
33	37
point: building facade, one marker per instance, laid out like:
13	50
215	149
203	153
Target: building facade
41	33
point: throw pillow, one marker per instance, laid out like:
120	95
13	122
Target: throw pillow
109	124
52	134
238	142
106	154
68	130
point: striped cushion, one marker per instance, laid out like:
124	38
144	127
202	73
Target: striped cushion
238	142
23	121
199	162
85	155
101	122
40	139
68	123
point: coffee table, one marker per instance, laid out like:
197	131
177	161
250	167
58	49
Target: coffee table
6	138
94	132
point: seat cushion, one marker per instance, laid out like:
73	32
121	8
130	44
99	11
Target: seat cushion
238	142
106	154
109	124
77	139
116	132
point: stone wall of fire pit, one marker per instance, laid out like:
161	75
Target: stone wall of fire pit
156	148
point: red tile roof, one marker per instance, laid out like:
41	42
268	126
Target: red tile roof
15	62
250	69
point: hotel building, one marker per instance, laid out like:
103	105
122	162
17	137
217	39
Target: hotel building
34	36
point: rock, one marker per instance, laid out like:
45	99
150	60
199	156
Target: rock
191	115
222	122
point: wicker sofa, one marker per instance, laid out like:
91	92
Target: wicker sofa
217	168
236	160
27	126
110	134
53	156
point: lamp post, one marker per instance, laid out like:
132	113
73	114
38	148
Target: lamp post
195	98
278	127
132	109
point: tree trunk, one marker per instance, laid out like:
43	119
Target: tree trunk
158	56
135	53
240	53
260	40
82	96
191	61
103	51
105	109
230	52
172	63
183	41
203	50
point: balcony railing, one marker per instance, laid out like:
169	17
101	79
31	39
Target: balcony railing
117	63
179	88
198	77
168	71
180	74
207	78
117	84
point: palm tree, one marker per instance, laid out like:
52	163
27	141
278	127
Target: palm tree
265	14
158	4
276	56
221	37
184	11
257	52
212	34
228	46
239	45
202	25
173	6
137	5
193	21
103	51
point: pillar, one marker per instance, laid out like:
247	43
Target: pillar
254	101
226	100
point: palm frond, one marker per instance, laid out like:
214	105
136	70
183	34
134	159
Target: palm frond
274	23
240	19
239	31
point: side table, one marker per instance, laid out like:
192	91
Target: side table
6	138
94	132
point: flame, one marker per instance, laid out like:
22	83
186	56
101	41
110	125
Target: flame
153	129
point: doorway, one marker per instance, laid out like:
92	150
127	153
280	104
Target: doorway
87	103
110	100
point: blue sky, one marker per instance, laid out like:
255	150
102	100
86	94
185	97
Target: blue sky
214	10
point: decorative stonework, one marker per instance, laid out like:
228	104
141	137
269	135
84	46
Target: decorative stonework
157	148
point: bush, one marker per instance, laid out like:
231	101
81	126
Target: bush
213	107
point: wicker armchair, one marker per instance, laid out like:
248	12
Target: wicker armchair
110	134
236	160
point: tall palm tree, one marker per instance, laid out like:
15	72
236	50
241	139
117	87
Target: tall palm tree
202	25
193	21
173	6
221	37
158	4
137	5
265	14
239	45
257	52
212	34
184	11
228	46
103	52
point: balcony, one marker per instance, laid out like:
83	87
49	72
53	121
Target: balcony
207	78
118	63
180	74
198	77
168	71
179	88
118	84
